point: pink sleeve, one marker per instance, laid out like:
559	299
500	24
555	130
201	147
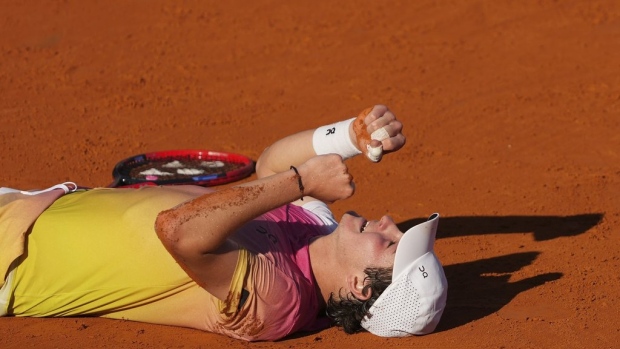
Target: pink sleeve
271	309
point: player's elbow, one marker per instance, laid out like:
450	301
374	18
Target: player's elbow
184	238
167	230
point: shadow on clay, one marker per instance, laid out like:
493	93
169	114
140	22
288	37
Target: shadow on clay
480	288
543	227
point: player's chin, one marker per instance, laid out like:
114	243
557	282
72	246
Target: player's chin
349	219
351	213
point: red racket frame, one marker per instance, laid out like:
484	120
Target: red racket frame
122	169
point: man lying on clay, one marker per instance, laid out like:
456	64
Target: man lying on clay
258	261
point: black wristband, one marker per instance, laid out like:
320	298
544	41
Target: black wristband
301	185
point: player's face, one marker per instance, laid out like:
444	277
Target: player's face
365	243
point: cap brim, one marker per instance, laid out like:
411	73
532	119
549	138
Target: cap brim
416	242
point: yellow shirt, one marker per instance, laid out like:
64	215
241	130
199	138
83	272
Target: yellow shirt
90	253
18	210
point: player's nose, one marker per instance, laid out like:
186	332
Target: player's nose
387	224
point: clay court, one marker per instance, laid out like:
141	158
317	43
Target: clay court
511	109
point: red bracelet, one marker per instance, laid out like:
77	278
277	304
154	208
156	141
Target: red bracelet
301	185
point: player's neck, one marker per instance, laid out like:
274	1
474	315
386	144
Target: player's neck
325	268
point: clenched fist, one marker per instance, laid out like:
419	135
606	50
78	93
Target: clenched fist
377	132
327	178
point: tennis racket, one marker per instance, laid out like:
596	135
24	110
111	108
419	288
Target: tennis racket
175	167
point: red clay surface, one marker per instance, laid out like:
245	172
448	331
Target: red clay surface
511	108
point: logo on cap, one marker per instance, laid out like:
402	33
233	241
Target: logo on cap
423	271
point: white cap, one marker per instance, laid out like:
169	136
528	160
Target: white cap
414	302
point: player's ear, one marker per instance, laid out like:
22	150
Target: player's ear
356	283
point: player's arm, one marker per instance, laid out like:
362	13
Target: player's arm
196	232
346	138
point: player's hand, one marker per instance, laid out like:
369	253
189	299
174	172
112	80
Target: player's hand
378	132
327	178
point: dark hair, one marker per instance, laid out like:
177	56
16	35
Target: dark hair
348	311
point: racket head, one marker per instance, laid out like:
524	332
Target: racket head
236	167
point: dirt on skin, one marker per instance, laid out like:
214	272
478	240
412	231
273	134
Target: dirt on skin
360	128
511	109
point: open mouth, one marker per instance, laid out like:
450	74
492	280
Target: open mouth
363	227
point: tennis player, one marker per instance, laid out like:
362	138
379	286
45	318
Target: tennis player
258	261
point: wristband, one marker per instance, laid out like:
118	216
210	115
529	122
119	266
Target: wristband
334	139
